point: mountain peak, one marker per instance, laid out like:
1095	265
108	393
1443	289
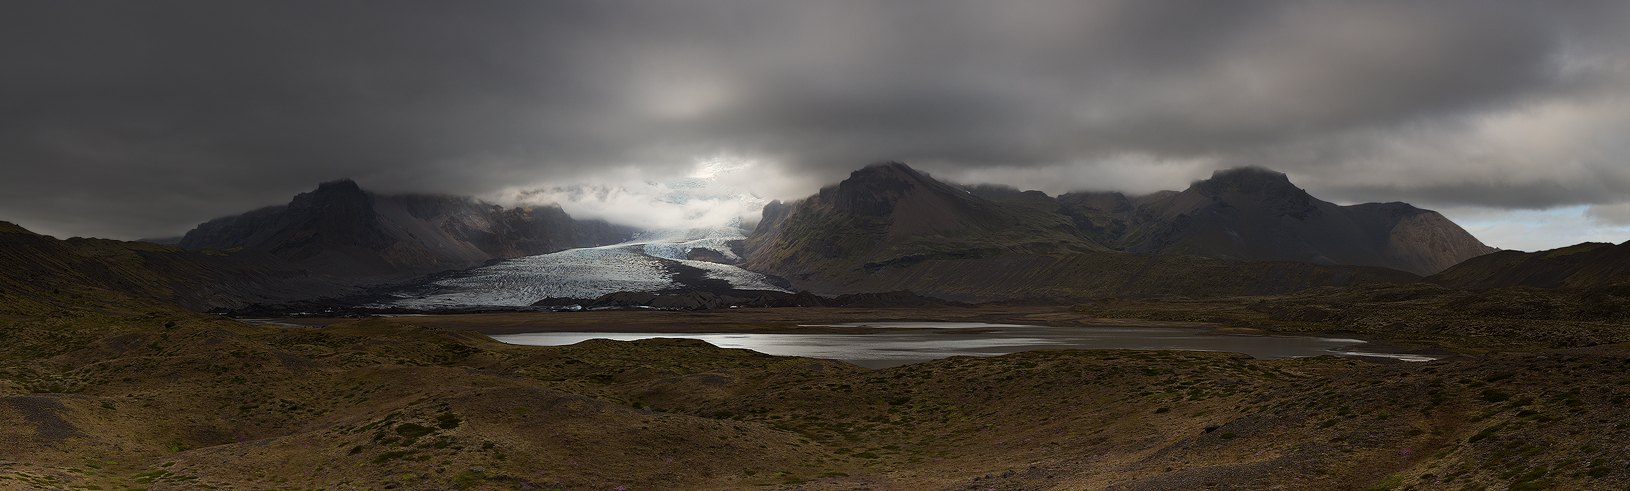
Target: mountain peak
1248	172
893	171
875	189
887	165
1247	180
340	187
341	184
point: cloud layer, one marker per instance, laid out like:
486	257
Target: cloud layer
144	118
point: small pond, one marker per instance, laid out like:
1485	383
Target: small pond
902	343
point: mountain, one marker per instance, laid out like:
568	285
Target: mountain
1253	214
1587	265
341	230
889	215
889	227
44	274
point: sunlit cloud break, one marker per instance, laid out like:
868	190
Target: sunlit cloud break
714	195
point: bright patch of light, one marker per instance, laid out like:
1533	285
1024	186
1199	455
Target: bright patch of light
713	194
1535	230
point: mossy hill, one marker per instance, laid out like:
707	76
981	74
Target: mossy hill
1422	315
43	274
1587	265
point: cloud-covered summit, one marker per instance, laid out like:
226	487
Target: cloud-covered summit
143	118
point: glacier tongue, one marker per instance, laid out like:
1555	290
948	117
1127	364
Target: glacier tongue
640	265
677	244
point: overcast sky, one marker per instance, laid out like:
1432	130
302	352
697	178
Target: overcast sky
132	119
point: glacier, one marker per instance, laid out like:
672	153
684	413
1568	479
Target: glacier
696	212
642	264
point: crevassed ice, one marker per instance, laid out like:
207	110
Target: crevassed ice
740	279
576	273
675	244
590	272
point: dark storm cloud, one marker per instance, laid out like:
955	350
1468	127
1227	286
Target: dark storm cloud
144	118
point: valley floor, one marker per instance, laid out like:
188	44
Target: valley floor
168	399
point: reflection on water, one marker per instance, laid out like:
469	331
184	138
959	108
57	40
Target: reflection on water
902	343
919	325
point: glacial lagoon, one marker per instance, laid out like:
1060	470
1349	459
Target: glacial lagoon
902	343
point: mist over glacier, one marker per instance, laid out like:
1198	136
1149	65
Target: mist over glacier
704	211
716	193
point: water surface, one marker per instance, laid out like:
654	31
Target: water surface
903	343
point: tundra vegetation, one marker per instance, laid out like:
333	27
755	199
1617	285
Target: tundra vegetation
127	395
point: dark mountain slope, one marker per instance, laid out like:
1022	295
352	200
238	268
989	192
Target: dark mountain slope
1252	214
889	227
1586	265
43	274
1416	240
341	230
1109	274
889	214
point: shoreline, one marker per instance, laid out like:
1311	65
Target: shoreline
788	320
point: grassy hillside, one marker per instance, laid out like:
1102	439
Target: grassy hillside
1586	265
172	400
43	274
1461	320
